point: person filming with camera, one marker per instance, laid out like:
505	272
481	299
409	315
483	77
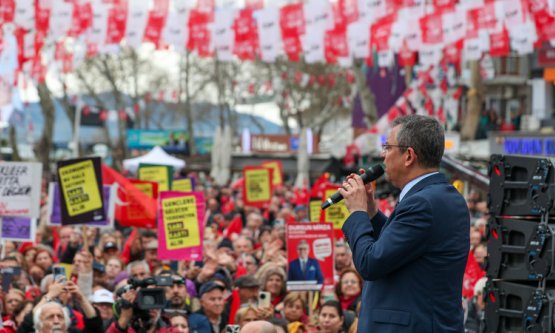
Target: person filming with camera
139	306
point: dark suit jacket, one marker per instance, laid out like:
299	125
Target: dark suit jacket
313	271
413	262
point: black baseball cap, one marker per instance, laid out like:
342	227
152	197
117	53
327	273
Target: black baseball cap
209	286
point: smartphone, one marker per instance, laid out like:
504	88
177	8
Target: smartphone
264	299
59	273
232	328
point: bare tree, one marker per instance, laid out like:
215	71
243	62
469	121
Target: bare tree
44	146
475	99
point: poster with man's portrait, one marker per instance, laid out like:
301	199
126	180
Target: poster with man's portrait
309	256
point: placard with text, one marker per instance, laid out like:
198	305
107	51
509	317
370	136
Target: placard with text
20	185
257	188
181	225
162	174
81	196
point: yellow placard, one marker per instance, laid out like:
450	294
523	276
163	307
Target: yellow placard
257	183
80	188
276	176
315	208
182	185
157	174
145	188
181	222
337	213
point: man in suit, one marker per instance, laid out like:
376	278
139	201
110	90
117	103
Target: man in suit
304	268
414	260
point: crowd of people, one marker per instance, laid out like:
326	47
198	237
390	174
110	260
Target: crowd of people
108	274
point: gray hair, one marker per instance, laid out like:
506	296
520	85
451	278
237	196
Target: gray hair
138	263
45	282
423	134
38	312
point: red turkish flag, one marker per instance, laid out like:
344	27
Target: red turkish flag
349	10
246	35
499	44
444	4
335	45
545	25
380	32
452	53
432	28
7	11
199	35
42	18
483	17
129	197
117	22
156	21
292	47
82	18
291	20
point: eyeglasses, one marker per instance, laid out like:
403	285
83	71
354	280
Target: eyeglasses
349	282
387	147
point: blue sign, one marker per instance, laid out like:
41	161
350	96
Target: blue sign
529	146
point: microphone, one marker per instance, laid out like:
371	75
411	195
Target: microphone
371	174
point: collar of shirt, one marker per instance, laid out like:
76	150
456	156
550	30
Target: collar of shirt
411	184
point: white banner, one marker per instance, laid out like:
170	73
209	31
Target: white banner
137	18
25	14
20	186
269	33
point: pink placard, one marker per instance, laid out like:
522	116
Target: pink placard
181	225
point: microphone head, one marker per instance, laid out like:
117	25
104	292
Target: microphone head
372	173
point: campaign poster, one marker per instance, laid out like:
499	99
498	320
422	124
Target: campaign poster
54	208
336	214
277	172
314	210
20	185
181	225
162	174
18	229
186	184
309	256
257	188
81	197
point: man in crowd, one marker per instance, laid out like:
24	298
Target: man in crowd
212	305
343	256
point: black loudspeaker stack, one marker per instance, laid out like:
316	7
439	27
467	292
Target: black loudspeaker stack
520	292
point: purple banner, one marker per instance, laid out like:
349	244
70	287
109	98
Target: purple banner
17	228
56	215
387	85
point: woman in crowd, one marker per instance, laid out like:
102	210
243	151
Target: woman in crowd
349	289
273	281
330	318
245	315
294	306
44	259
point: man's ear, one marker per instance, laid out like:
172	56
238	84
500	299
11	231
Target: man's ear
410	157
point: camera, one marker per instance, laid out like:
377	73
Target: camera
150	295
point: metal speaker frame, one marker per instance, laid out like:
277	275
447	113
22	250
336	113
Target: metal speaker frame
521	186
512	308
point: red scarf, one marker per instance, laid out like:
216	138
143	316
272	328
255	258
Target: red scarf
346	301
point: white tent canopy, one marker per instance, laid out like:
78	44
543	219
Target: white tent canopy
156	156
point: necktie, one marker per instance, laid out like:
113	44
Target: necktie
303	266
